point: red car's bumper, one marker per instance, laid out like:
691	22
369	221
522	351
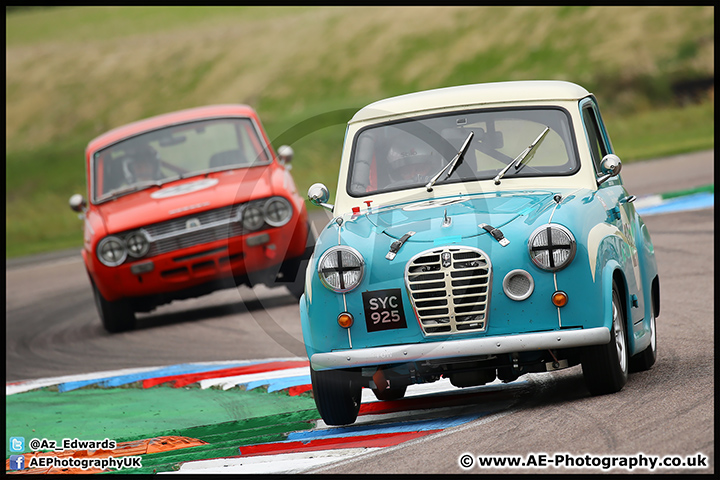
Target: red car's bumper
213	264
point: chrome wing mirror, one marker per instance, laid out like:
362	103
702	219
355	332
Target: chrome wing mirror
285	155
318	194
78	203
610	167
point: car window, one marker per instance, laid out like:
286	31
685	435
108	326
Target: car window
179	150
406	154
597	146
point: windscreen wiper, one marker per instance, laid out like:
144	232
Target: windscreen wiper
454	163
524	157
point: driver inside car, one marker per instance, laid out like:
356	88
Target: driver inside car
141	164
411	161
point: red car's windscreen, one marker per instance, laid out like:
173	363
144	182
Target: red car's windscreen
176	151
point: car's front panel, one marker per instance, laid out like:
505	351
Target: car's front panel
191	250
427	281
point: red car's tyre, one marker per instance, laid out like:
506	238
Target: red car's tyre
116	316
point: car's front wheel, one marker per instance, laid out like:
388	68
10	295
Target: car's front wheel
337	395
646	359
116	316
605	367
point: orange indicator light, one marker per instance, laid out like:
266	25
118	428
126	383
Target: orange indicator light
559	299
345	320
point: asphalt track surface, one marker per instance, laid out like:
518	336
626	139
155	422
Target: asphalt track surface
52	329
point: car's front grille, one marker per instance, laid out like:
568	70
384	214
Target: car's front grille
192	238
179	225
193	229
449	288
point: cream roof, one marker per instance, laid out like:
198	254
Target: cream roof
467	95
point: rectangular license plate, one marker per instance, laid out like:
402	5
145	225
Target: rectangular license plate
384	310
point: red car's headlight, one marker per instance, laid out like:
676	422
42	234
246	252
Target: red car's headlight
277	211
111	251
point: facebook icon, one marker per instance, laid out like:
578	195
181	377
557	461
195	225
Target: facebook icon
17	462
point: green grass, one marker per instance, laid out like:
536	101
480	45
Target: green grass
664	132
73	73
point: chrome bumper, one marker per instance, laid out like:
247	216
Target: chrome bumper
469	347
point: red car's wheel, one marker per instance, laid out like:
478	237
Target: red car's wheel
116	316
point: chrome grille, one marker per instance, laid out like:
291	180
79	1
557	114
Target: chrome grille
185	240
449	288
193	229
178	225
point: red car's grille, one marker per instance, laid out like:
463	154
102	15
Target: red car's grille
178	226
194	229
190	239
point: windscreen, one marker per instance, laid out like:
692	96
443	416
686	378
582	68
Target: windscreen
177	151
407	154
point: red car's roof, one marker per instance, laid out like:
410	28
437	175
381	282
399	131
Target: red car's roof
180	116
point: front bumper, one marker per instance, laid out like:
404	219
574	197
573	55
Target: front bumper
469	347
217	262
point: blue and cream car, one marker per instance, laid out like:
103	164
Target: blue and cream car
480	232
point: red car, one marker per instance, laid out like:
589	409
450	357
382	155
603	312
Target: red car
187	203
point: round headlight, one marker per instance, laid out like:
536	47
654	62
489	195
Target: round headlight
552	247
111	251
137	244
252	218
341	268
277	211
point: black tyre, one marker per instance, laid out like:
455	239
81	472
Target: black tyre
297	287
605	367
390	393
337	395
646	359
297	268
116	316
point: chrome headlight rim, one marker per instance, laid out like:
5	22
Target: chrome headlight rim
572	247
260	215
266	208
334	250
145	248
103	243
509	277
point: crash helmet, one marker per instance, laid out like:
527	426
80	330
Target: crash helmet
141	163
410	158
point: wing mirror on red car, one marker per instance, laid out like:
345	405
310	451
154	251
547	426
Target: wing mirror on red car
285	154
78	203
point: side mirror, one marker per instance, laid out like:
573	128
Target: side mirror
78	203
318	194
285	154
610	167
